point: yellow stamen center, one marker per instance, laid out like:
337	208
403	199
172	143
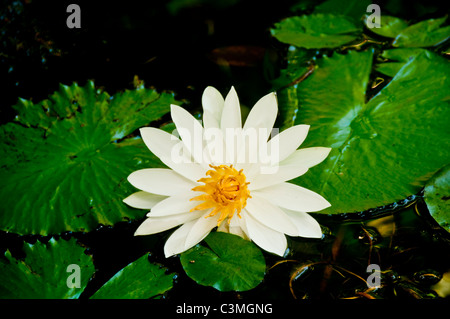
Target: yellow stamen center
225	191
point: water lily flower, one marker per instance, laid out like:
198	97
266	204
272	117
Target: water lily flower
214	179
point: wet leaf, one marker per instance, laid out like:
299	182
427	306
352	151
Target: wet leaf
138	280
316	31
228	263
437	197
423	34
390	27
64	160
399	57
46	271
379	146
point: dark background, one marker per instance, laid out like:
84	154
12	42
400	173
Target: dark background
171	45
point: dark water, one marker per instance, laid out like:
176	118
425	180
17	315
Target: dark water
182	52
410	249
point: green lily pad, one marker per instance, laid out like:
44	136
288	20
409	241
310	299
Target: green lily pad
58	269
437	197
390	27
138	280
399	57
423	34
228	263
384	149
64	160
316	31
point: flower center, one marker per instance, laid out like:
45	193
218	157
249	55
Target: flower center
225	191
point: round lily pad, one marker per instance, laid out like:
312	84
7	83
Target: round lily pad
381	145
227	263
64	160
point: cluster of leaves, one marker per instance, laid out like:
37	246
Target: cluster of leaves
45	273
64	160
373	132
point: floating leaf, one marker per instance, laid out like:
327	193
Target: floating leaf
437	197
390	27
423	34
64	161
49	271
381	149
401	56
228	263
138	280
316	31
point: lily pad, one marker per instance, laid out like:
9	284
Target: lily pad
384	149
138	280
398	58
48	271
64	160
316	31
390	27
437	197
423	34
227	263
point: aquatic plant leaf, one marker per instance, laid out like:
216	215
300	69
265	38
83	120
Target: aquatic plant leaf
423	34
227	263
399	57
64	160
384	150
48	271
316	31
390	27
437	197
138	280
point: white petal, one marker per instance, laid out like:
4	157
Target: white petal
265	237
172	152
238	227
293	197
270	215
307	157
175	204
214	145
190	131
263	114
284	144
153	225
293	166
160	181
213	104
307	226
234	227
273	175
175	244
231	115
256	131
143	200
209	121
201	229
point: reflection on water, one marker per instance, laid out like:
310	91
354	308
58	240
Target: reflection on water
410	251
